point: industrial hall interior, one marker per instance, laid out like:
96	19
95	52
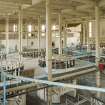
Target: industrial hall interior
52	52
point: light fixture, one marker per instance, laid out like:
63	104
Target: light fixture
43	27
29	28
53	27
14	28
90	29
57	36
43	34
29	34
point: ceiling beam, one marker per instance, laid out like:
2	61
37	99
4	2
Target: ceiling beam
28	2
86	6
62	6
34	2
31	13
74	12
9	8
6	12
84	1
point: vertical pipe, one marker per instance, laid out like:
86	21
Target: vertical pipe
44	95
7	35
4	91
20	33
60	34
49	47
39	34
97	34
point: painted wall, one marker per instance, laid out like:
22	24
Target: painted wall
102	32
102	28
14	42
71	40
74	40
74	36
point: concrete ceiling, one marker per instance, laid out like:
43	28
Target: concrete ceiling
71	10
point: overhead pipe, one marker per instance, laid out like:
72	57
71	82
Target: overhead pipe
58	84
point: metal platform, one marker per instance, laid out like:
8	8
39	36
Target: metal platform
81	68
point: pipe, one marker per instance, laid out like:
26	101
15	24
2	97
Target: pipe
68	75
4	91
58	84
27	91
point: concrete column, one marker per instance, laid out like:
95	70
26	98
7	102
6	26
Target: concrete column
81	35
87	36
65	37
26	35
97	34
7	35
48	40
39	33
75	90
81	38
49	48
60	34
27	39
84	34
20	24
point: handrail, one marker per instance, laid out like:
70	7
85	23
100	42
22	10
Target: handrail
79	102
98	99
83	97
93	97
68	102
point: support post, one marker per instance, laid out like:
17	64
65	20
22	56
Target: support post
20	33
81	35
97	23
27	36
60	34
27	40
4	89
49	48
7	35
39	34
97	33
87	27
75	90
84	34
65	36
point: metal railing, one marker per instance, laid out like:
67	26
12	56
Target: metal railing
83	99
97	101
80	101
